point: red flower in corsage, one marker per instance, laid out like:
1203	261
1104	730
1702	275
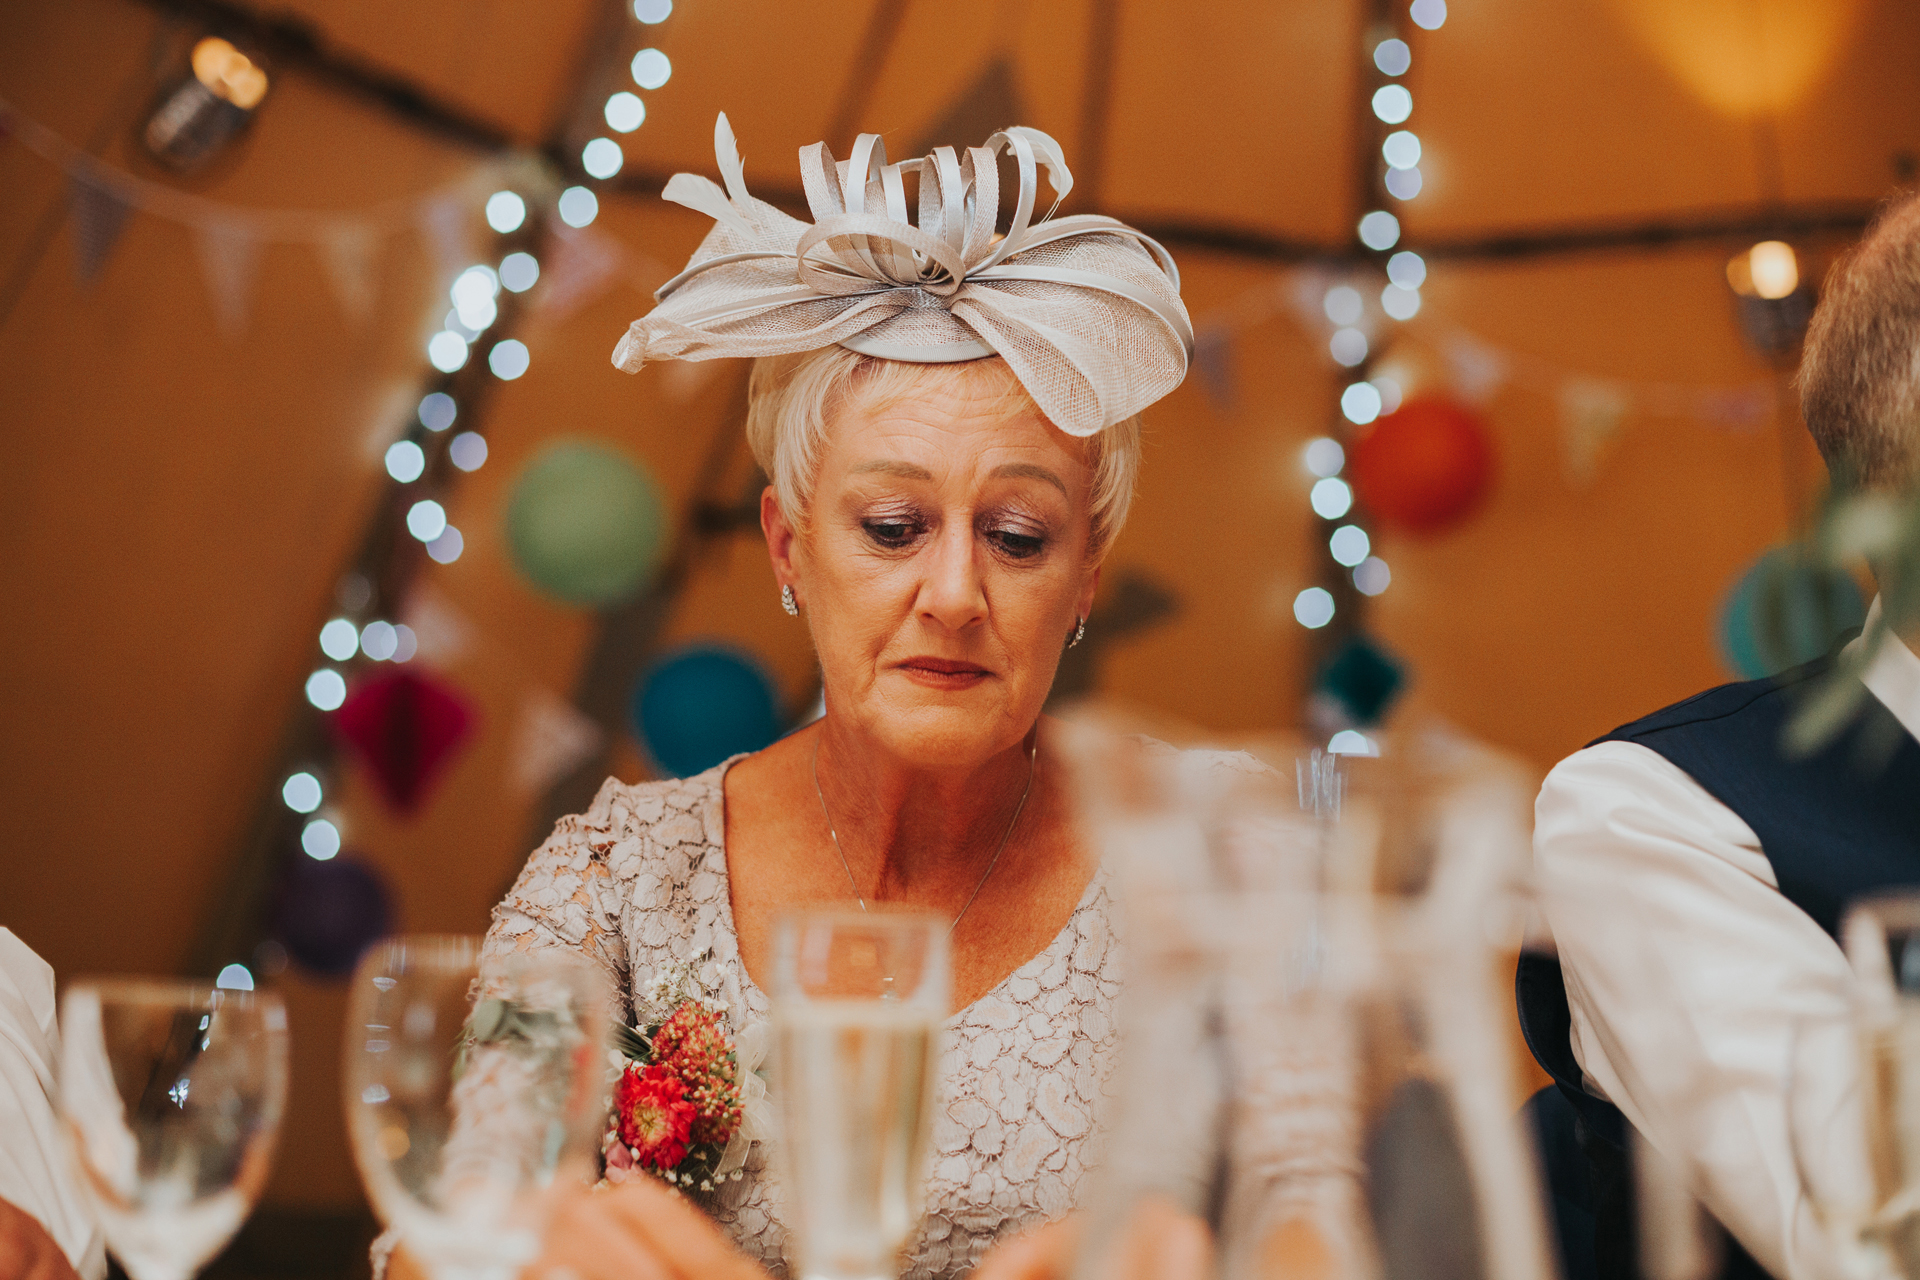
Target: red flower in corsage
652	1116
677	1103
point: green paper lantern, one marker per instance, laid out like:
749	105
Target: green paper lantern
585	523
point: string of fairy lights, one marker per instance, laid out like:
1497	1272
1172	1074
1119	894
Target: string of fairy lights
1393	277
431	453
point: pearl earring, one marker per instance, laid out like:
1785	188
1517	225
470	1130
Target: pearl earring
1079	631
788	603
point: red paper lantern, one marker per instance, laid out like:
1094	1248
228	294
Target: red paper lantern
404	726
1424	467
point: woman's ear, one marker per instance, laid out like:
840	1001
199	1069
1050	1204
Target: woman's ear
780	537
1083	607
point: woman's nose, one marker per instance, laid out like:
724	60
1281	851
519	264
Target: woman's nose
951	594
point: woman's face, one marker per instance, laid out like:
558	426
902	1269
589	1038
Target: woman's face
943	566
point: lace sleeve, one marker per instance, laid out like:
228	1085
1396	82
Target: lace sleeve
564	898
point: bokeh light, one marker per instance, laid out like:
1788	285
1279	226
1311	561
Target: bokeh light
1343	304
1360	402
652	12
301	791
425	520
509	359
446	548
468	451
320	839
1313	608
327	688
1348	347
340	639
1401	149
406	461
1331	498
1401	304
1404	184
651	69
1352	742
447	351
1393	57
519	272
1379	230
578	206
437	411
1349	545
1324	456
234	977
1392	103
1371	576
377	641
506	211
625	112
602	157
1407	269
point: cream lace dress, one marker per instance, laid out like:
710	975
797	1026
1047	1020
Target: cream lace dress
639	882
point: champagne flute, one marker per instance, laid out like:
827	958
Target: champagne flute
170	1099
473	1099
858	1002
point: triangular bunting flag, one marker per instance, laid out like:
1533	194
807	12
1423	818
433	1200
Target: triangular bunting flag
229	253
98	216
580	266
553	739
447	224
347	251
1591	412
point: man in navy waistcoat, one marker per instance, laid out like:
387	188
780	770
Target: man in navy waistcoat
1693	873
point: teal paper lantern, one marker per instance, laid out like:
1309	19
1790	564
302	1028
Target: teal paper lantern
701	704
585	523
1786	610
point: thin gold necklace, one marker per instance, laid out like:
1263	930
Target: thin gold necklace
1032	757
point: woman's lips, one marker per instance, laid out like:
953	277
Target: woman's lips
944	673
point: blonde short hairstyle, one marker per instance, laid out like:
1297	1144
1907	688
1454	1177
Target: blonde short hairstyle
791	400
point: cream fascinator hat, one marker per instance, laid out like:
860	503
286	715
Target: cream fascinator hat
1086	310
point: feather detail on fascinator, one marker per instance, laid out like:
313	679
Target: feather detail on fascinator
1085	309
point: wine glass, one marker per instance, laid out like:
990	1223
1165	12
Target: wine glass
170	1099
473	1099
858	1003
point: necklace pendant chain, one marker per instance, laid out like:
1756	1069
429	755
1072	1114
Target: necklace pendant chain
1033	757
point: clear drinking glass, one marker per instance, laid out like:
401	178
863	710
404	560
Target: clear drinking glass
170	1099
1853	1096
858	1003
470	1102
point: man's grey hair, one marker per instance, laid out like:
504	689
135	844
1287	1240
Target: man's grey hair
1860	374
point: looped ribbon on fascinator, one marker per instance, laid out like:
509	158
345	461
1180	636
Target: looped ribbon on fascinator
1085	309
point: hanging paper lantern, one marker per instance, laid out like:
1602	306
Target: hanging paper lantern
1424	467
1786	610
585	523
404	726
329	912
700	705
1361	681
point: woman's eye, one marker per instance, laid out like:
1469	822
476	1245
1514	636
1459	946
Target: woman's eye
1018	545
890	533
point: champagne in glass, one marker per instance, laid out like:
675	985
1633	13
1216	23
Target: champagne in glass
858	1002
170	1099
471	1099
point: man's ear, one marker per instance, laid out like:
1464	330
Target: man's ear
780	538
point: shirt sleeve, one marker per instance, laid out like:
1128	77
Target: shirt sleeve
1686	972
33	1168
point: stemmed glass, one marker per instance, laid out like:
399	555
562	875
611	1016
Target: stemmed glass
170	1099
472	1100
858	1003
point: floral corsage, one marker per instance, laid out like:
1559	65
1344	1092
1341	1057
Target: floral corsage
688	1101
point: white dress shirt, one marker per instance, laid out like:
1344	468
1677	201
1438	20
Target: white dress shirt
1686	971
33	1167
